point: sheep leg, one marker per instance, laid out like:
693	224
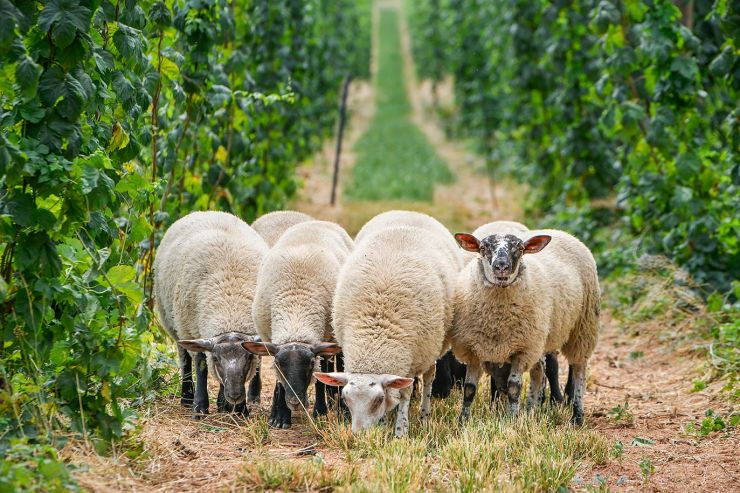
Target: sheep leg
514	383
569	385
426	398
536	384
499	379
402	415
319	406
186	372
255	385
279	412
579	388
471	385
200	405
551	371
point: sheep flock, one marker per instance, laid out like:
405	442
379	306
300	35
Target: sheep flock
377	315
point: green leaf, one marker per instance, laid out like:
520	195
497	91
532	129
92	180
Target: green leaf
27	74
122	278
65	17
169	69
73	97
128	42
22	208
160	15
51	86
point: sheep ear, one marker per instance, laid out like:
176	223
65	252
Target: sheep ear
336	379
467	242
197	345
326	349
261	348
536	243
396	382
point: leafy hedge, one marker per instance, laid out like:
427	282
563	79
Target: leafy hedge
116	118
637	100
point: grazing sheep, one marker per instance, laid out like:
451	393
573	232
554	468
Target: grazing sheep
292	310
272	226
205	272
510	308
392	312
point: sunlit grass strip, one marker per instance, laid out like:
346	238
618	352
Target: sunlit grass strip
536	451
395	160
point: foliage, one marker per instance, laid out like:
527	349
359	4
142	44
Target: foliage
585	98
116	118
29	468
712	423
395	160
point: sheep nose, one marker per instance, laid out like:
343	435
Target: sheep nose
499	265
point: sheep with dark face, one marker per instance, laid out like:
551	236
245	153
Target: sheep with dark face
271	226
205	273
392	312
512	306
292	312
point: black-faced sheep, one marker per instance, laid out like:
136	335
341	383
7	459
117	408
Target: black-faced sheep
205	273
292	311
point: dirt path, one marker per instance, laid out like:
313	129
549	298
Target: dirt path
173	452
462	205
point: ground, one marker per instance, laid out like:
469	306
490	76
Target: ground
639	400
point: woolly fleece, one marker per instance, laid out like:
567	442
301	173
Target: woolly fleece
205	274
272	226
296	283
554	305
393	303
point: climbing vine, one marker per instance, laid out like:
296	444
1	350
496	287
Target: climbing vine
116	118
634	102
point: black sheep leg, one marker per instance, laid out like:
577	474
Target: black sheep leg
200	405
279	412
186	374
551	371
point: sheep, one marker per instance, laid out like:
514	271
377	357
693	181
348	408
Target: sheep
292	310
205	273
500	374
272	226
392	312
510	308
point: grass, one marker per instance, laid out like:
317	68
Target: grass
537	451
395	161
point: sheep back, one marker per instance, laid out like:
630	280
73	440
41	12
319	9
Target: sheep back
296	283
392	306
205	273
271	226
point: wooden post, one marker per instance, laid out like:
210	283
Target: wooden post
340	133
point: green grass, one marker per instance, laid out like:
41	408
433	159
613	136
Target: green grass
395	161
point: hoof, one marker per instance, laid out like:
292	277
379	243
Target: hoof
280	420
186	401
464	415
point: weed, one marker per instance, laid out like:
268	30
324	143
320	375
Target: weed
711	424
621	413
618	450
646	468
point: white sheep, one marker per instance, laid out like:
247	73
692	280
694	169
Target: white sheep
205	273
272	226
510	308
292	311
392	312
500	373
